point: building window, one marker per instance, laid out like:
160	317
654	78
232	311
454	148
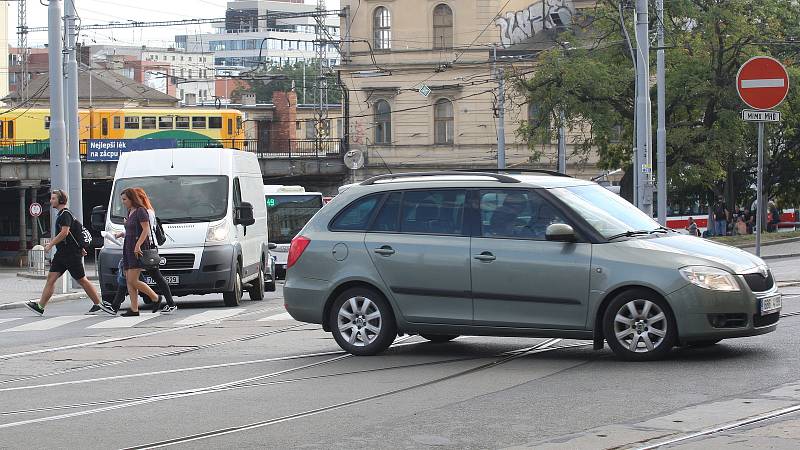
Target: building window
383	122
382	29
311	129
443	121
442	27
298	125
131	123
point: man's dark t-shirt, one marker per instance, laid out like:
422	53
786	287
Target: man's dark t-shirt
67	247
719	212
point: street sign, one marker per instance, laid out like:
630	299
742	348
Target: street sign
110	149
425	90
35	209
762	82
749	115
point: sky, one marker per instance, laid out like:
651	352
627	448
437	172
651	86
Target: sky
104	11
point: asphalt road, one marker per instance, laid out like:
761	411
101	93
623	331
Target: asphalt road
250	377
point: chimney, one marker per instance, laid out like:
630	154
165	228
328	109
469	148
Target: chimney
248	99
283	122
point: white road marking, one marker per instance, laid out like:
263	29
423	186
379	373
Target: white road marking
124	322
46	324
763	83
284	316
210	316
10	320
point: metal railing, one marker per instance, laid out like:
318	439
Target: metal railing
277	149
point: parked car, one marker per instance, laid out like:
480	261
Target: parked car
545	255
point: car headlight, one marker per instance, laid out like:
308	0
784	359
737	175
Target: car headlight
710	278
217	233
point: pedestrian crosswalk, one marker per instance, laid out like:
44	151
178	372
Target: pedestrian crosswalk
12	325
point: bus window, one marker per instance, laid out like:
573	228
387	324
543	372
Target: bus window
165	123
238	124
131	123
289	213
117	122
104	126
148	123
215	122
2	130
182	122
198	122
11	129
230	126
46	122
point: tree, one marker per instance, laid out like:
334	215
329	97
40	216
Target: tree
710	150
303	77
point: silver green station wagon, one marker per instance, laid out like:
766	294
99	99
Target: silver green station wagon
445	254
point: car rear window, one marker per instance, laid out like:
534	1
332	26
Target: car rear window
356	216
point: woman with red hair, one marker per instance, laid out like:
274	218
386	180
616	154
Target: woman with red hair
137	232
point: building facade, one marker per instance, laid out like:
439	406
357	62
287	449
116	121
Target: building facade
5	35
248	38
423	94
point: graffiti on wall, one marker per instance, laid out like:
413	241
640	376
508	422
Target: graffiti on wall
517	27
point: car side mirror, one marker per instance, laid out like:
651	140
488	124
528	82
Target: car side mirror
98	218
560	232
272	246
244	215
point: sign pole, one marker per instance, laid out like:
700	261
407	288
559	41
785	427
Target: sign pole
760	187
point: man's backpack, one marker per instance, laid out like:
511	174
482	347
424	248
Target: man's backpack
80	235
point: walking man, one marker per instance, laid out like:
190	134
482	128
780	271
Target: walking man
68	258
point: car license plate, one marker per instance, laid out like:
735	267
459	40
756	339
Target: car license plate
171	280
771	304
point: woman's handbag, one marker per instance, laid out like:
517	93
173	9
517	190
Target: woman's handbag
150	258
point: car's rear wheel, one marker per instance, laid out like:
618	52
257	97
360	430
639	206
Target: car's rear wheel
639	326
257	290
362	322
439	338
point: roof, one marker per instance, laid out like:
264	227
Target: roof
472	179
106	85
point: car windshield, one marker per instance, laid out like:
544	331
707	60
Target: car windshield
178	199
607	212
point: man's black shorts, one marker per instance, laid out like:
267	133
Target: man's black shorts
68	263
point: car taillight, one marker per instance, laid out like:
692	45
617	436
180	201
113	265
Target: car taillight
296	250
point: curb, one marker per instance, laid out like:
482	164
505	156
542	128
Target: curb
54	299
31	276
767	244
790	255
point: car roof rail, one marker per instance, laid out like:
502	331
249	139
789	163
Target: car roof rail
393	176
521	171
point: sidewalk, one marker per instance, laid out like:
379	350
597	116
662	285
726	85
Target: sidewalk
778	250
16	290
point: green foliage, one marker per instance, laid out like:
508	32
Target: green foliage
306	86
710	150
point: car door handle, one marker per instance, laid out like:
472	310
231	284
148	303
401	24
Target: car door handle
485	257
385	251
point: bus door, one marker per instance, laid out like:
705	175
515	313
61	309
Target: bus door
102	126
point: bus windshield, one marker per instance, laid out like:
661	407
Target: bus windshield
288	214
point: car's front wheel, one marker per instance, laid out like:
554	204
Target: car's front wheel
362	322
639	326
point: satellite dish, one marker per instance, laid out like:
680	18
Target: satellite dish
354	159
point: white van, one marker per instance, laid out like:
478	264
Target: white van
211	205
289	209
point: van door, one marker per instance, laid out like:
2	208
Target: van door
519	279
248	237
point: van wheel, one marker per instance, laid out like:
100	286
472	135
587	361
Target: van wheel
257	291
439	338
639	326
234	298
362	322
269	286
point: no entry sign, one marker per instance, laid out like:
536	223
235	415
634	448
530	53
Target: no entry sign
762	82
35	209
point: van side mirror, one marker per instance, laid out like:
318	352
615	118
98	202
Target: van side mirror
244	215
98	218
272	246
560	232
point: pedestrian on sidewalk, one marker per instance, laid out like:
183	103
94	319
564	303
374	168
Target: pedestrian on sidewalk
68	258
154	273
137	232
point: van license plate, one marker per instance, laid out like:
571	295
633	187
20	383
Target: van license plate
771	304
171	280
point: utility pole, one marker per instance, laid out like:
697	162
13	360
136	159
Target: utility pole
661	131
58	143
562	143
501	113
643	124
71	112
22	39
322	72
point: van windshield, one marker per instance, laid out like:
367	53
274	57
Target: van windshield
607	212
179	198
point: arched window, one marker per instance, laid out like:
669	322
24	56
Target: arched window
383	122
442	27
443	121
382	29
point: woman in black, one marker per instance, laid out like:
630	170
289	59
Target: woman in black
137	237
